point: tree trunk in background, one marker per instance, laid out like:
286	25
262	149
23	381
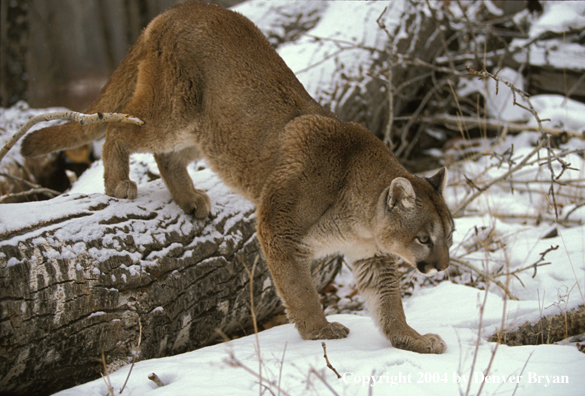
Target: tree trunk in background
74	46
14	38
80	273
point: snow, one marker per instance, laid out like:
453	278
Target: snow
498	104
558	17
562	18
98	313
363	359
491	235
334	44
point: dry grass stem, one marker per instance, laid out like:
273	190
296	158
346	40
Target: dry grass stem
388	132
106	376
253	313
502	323
136	352
233	361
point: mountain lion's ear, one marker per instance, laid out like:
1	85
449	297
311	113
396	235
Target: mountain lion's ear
439	180
401	192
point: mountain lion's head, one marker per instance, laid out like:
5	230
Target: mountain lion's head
413	222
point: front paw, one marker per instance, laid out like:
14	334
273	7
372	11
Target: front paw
198	203
412	341
432	343
125	189
331	331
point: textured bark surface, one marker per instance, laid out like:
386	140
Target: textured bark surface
79	272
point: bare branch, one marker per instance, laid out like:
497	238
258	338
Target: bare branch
83	119
485	275
327	360
459	210
35	189
452	121
318	375
232	361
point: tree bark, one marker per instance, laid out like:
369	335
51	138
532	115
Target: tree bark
80	272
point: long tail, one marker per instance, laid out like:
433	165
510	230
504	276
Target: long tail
113	97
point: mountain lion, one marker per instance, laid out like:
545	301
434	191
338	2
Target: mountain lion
209	85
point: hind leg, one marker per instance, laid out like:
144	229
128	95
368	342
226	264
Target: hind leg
116	157
173	169
123	140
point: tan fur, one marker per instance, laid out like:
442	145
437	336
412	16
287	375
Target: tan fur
208	84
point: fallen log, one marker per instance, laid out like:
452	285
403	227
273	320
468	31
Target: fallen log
78	273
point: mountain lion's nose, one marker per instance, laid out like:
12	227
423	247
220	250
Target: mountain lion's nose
432	268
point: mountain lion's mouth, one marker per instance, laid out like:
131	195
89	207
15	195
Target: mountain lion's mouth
426	268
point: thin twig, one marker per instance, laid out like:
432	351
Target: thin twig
574	87
281	367
137	351
537	218
484	275
390	87
40	190
459	210
235	362
327	359
577	206
450	121
83	119
23	181
253	313
404	131
545	138
318	375
440	28
476	351
522	371
35	188
502	323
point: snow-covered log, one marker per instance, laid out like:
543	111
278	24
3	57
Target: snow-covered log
82	272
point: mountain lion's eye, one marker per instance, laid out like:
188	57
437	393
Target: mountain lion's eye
425	240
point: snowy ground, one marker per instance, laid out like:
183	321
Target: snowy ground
364	360
501	233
